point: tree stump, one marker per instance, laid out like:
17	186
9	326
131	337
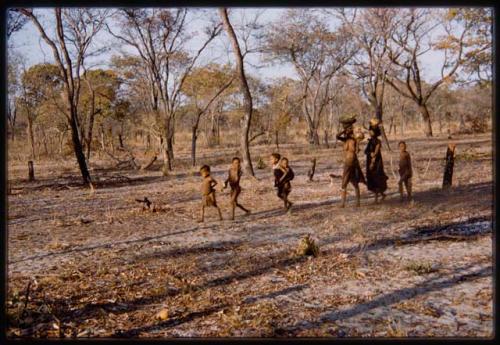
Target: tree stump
312	169
31	171
448	169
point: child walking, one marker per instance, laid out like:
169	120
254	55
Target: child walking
233	178
208	192
405	171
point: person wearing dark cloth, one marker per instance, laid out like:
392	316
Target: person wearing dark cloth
375	176
233	178
283	177
405	171
352	171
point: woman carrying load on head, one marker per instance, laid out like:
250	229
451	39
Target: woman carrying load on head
352	171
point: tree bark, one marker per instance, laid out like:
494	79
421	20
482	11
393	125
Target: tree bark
194	137
378	114
248	106
31	171
170	150
31	137
120	140
448	170
103	141
312	169
78	149
427	120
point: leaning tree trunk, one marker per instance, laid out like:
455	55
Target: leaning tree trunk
427	120
90	124
247	118
78	149
89	134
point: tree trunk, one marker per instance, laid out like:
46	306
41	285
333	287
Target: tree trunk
276	137
312	169
120	140
45	146
90	123
248	106
391	126
378	114
103	141
89	134
448	170
170	151
194	137
78	149
217	136
31	171
13	123
313	136
61	142
427	120
31	137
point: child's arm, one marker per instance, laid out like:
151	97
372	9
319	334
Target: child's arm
277	176
289	175
282	178
213	183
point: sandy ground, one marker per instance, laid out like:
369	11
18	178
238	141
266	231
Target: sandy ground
96	265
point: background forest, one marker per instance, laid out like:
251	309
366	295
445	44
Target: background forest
159	90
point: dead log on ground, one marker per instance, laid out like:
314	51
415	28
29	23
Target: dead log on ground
121	163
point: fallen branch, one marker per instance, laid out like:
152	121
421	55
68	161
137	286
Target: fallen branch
148	165
256	136
441	237
146	202
121	163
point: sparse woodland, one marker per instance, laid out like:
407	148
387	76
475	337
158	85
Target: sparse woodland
89	256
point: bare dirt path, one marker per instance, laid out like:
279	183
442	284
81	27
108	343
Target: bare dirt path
100	266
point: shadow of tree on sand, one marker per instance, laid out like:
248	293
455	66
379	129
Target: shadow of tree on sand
177	320
434	283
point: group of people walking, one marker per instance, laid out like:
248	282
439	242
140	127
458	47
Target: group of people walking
376	179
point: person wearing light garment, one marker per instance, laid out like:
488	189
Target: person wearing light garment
352	171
